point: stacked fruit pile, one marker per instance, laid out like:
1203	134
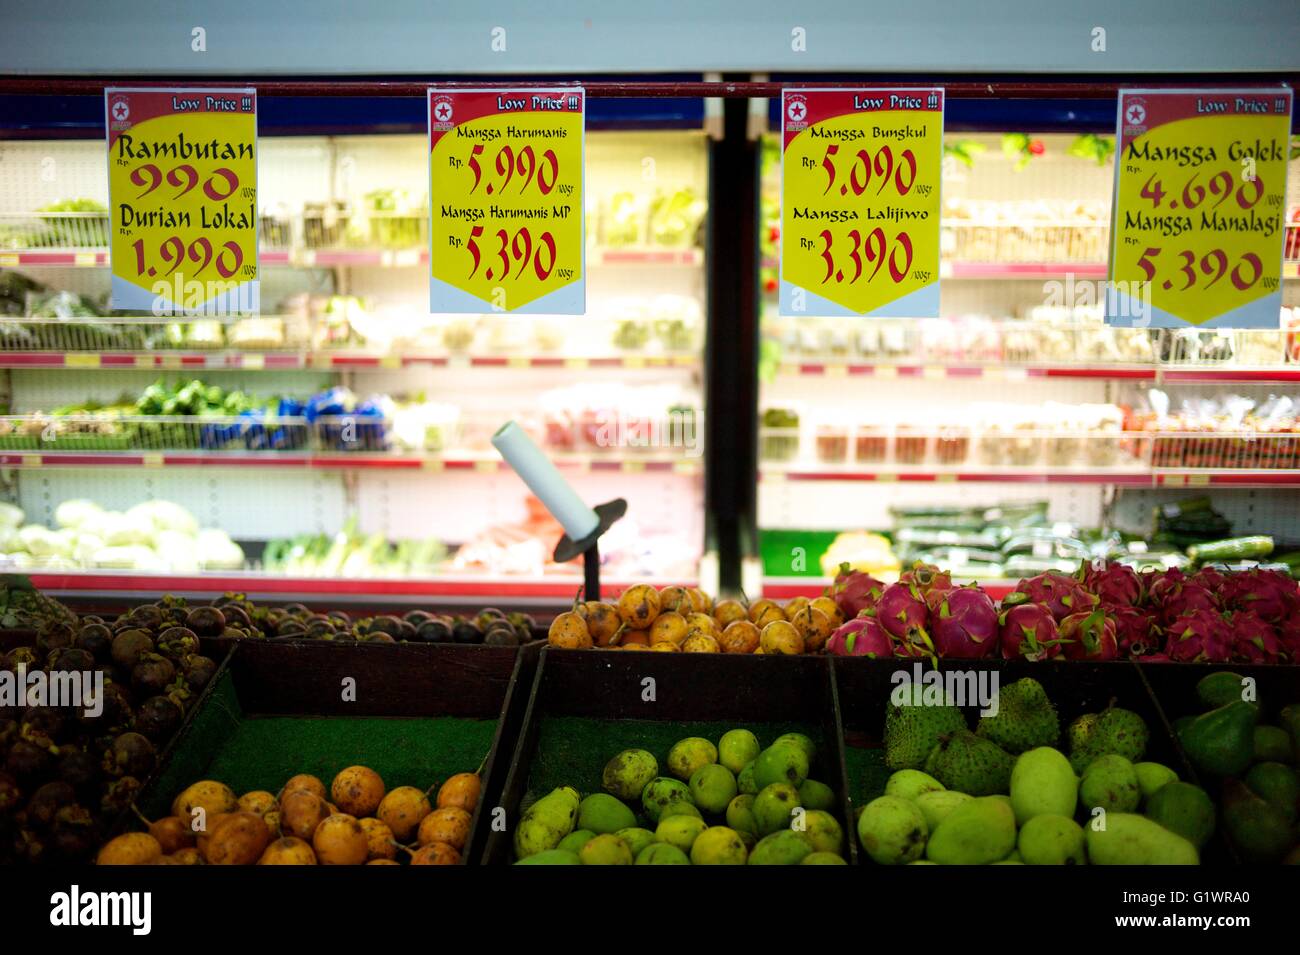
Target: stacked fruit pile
680	619
1006	794
1251	762
361	823
773	813
1100	613
70	762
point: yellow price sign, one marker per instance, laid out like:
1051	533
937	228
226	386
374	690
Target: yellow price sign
860	177
506	216
1200	199
182	181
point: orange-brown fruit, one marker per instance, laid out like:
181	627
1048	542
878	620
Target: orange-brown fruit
762	612
172	833
676	599
701	601
700	643
207	794
272	820
357	791
460	792
815	628
666	648
300	813
379	839
639	606
288	851
668	627
794	606
188	856
634	638
259	801
305	782
383	862
727	612
204	835
239	839
780	636
436	853
602	621
828	606
133	848
340	840
569	632
704	623
739	637
448	825
402	809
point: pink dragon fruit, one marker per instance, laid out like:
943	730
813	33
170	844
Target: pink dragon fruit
901	610
1114	585
1213	580
1157	658
1269	593
860	637
1028	631
1187	599
1201	636
965	626
924	577
1089	635
1136	631
853	591
1288	635
1254	640
1060	593
1162	584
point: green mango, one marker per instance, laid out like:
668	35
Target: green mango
740	814
892	830
719	845
602	813
1110	783
1219	689
688	755
1152	776
805	743
1043	783
1272	745
745	781
822	831
680	831
815	795
661	853
1289	720
823	858
1257	828
627	774
575	840
1051	840
1185	809
781	848
680	809
1129	839
773	806
936	806
551	857
636	838
1222	742
1277	784
782	762
737	749
978	832
713	787
910	783
606	849
546	822
660	792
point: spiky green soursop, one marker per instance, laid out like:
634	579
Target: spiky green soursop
23	607
968	764
912	730
1025	719
1114	731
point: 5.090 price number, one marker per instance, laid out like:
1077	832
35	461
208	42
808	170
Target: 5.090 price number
1213	263
863	165
861	252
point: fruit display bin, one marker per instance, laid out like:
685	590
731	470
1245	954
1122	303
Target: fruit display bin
1174	689
863	688
276	709
584	708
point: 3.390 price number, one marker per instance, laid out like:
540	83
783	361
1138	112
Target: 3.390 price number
861	252
227	259
1193	194
1214	263
517	250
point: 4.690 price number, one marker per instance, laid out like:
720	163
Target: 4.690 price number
861	251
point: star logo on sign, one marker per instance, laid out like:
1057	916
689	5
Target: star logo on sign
796	110
442	112
1135	115
121	111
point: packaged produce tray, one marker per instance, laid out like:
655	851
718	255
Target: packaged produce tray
586	707
275	710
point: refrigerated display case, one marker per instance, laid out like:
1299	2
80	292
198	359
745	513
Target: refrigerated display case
341	438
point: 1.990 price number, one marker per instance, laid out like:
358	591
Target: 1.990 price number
1243	275
858	252
228	259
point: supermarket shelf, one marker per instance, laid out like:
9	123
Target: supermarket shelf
1011	372
557	590
355	258
785	588
1116	477
1021	270
288	360
354	461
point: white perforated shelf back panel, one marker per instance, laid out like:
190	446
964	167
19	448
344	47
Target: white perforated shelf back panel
1274	511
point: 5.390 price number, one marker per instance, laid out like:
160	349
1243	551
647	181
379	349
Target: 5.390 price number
1243	275
861	251
517	250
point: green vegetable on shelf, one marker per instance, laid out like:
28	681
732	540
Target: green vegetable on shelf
1234	548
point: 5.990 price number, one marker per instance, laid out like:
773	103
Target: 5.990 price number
525	164
861	251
